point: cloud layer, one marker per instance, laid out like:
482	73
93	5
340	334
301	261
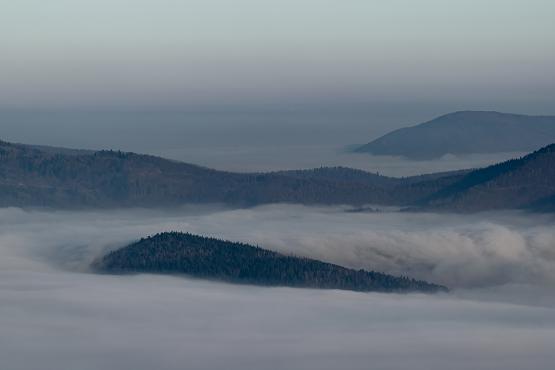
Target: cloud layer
54	314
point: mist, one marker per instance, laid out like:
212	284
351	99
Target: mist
500	313
461	251
255	140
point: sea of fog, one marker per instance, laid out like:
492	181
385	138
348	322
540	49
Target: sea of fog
500	313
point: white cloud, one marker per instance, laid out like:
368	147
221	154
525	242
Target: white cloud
53	315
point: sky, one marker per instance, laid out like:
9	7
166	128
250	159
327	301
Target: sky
123	54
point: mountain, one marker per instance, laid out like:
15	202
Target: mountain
466	132
31	176
527	182
209	258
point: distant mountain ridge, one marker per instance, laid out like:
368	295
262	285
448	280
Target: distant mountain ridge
210	258
33	177
466	132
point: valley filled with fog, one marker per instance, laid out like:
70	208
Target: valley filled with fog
245	141
500	314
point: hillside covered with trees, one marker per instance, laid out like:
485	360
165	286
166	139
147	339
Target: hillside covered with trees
43	177
209	258
38	177
527	182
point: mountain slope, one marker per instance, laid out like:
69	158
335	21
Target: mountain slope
466	132
32	177
527	182
197	256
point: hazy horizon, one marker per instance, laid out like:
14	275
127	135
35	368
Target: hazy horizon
256	86
255	140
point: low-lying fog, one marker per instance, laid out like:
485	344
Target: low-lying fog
54	314
291	157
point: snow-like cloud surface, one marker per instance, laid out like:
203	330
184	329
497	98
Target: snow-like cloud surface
55	314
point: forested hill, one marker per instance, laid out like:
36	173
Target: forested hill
466	132
33	176
527	182
202	257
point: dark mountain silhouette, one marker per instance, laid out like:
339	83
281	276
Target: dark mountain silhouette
201	257
527	182
466	132
33	177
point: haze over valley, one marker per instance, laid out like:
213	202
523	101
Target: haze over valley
248	139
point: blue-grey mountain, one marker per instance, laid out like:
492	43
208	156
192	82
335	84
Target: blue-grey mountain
35	177
466	132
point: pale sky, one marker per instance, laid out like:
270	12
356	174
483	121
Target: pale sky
160	53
